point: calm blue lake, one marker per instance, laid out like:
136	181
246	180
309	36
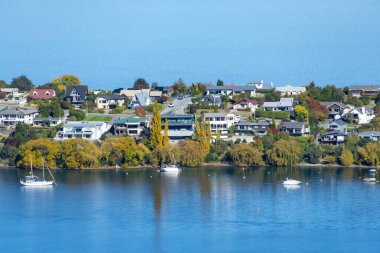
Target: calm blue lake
199	210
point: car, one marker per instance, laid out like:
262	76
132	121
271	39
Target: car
180	97
171	105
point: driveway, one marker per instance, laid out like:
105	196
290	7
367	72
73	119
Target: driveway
179	106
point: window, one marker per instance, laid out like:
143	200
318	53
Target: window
34	93
47	93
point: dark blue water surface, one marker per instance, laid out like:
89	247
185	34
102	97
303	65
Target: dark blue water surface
199	210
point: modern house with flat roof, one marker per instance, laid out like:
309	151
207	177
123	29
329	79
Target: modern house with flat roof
181	126
90	130
13	115
47	121
132	125
252	128
231	90
221	121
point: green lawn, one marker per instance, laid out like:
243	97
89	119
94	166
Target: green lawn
97	118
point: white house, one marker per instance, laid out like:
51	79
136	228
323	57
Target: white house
90	130
372	135
285	104
140	99
289	90
244	104
221	121
109	101
363	115
14	115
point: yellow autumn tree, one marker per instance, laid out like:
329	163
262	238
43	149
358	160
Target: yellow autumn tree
346	157
80	154
301	113
156	128
37	150
166	134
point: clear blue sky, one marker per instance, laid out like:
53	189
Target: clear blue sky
110	43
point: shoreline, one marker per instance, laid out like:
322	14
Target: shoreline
206	165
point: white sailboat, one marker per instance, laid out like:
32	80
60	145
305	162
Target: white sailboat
289	181
170	168
33	180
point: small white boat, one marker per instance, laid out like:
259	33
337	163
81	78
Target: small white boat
289	181
170	168
372	171
33	180
369	179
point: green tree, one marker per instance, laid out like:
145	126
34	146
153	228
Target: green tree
66	80
219	83
346	158
246	155
123	151
39	149
284	153
313	153
3	84
179	87
156	128
22	83
80	154
140	83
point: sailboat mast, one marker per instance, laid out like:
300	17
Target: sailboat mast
31	166
43	169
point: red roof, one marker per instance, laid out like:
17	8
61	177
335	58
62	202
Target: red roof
42	93
246	101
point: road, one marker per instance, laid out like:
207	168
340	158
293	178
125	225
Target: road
179	106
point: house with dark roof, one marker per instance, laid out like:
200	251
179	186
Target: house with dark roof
335	109
211	100
132	125
109	101
252	128
181	126
295	128
231	90
333	137
77	94
244	104
338	125
42	94
13	115
47	121
260	85
372	135
370	90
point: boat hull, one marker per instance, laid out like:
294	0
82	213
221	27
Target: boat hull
41	183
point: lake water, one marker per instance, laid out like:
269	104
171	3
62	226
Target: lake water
199	210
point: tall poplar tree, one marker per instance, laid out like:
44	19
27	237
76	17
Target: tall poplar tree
166	134
155	134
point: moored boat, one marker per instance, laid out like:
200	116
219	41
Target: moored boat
170	168
33	180
290	181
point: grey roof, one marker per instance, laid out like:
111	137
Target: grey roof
328	104
233	88
143	98
81	89
369	134
111	96
83	123
365	108
284	102
334	133
258	123
365	87
174	116
17	111
292	125
217	114
339	122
